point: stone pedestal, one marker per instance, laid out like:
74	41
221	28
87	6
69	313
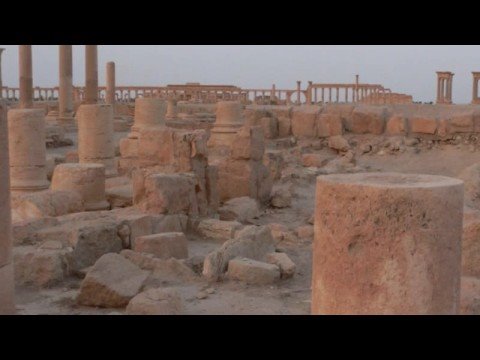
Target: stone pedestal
86	179
228	123
148	112
95	136
6	269
387	244
26	132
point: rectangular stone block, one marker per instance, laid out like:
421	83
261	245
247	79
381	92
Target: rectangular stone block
249	144
368	120
462	123
329	125
165	193
420	125
252	271
129	148
163	246
304	122
284	126
218	230
397	125
270	127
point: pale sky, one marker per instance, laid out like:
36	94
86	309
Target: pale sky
403	68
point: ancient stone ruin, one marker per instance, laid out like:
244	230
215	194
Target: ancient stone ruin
325	198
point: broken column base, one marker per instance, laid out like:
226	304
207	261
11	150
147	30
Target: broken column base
223	135
86	179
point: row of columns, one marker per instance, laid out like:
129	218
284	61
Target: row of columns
23	147
444	87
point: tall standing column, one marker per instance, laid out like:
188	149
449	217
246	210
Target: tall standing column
299	90
450	89
65	92
273	96
1	80
110	93
309	92
26	76
6	268
438	90
475	97
91	74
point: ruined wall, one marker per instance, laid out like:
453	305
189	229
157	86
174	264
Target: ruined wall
306	122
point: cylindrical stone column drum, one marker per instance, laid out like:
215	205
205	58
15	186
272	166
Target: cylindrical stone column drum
95	136
6	268
88	180
27	150
228	122
148	112
229	112
387	243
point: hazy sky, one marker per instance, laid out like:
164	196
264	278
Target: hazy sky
403	68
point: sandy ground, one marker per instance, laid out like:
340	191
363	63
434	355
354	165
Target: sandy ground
288	296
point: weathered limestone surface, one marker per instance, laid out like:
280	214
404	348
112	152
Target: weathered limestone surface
112	282
218	230
251	242
86	180
387	244
252	271
26	131
45	204
95	136
244	174
163	246
6	268
229	121
161	301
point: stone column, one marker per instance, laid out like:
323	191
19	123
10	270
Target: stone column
299	91
356	94
385	244
148	112
6	267
110	90
91	74
1	80
88	180
309	93
26	133
475	97
26	76
228	122
95	136
65	92
450	89
439	91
